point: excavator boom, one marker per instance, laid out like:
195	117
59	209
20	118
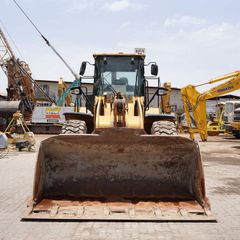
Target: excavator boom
195	102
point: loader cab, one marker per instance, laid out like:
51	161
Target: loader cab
119	73
120	95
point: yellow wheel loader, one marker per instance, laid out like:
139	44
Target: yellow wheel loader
118	158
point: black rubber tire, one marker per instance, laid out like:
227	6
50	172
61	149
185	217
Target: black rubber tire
164	128
74	127
236	135
213	133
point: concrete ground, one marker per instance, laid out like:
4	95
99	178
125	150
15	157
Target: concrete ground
221	157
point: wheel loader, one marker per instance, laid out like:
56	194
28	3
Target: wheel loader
118	158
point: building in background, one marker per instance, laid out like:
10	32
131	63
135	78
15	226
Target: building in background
50	87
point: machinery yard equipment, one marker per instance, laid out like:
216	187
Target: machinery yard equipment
20	82
23	140
21	94
235	124
215	125
119	159
230	114
194	102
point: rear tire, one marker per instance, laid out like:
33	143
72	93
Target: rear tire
213	133
74	127
164	128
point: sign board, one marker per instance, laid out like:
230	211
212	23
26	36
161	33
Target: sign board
53	112
43	114
140	51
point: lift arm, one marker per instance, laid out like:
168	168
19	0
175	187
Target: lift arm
195	102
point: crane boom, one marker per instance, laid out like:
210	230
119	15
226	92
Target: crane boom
76	76
18	73
6	51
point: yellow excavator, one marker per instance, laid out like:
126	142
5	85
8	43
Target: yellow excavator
62	88
118	158
216	123
194	102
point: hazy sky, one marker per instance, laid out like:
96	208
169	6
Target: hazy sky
191	40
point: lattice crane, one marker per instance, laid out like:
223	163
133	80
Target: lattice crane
20	82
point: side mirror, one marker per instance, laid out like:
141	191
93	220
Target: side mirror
154	69
82	68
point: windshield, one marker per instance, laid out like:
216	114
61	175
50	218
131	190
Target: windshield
119	74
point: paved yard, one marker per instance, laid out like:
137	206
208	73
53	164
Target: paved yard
221	156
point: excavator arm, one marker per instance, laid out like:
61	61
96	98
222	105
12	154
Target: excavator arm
195	102
166	107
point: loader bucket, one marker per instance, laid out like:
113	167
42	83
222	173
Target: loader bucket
119	174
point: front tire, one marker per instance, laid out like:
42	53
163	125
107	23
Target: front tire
164	128
74	127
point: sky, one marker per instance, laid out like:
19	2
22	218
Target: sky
191	40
